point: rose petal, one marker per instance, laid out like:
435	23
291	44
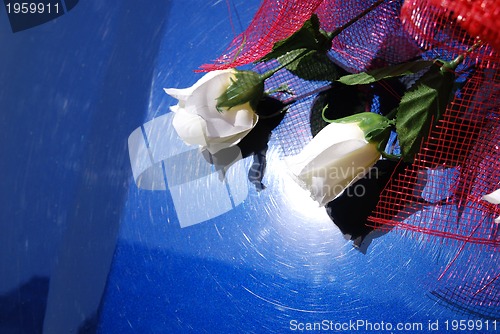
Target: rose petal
191	128
333	153
184	93
337	168
330	135
216	144
493	198
230	122
178	93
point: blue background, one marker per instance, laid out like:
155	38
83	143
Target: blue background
82	249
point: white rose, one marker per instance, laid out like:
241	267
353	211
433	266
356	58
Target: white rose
336	157
197	120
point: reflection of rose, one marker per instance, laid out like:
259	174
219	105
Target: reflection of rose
335	158
197	120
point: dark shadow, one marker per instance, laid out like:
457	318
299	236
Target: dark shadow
343	100
350	211
22	309
271	112
340	101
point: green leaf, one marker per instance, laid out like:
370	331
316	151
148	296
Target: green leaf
248	86
385	73
425	102
313	65
309	37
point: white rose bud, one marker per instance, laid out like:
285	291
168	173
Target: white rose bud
339	155
197	119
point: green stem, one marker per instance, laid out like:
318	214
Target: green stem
451	66
336	32
327	120
240	49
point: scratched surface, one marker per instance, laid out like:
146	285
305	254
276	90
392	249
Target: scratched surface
274	259
93	252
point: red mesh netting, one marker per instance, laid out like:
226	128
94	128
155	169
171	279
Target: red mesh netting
376	39
439	24
275	20
439	198
477	18
458	164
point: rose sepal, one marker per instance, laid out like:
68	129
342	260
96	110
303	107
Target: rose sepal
245	87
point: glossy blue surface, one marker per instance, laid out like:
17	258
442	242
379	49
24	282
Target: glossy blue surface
83	249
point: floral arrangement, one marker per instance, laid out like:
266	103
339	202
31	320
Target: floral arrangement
224	106
425	153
